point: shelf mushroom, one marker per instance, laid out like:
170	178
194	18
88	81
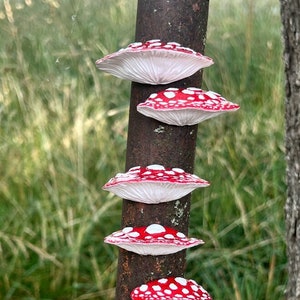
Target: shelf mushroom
171	288
185	106
154	184
154	239
153	62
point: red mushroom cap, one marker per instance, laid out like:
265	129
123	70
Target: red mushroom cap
154	184
185	106
153	62
172	288
154	239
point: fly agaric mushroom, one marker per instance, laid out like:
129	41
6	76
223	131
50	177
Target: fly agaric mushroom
154	184
154	239
153	62
171	288
185	106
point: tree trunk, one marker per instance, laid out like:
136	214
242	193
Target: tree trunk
152	142
290	14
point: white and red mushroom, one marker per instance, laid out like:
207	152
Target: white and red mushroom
154	184
171	288
153	62
154	239
185	106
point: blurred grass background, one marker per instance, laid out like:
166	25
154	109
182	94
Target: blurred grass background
63	129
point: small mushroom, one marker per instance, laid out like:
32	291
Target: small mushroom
153	62
154	239
185	106
171	288
154	184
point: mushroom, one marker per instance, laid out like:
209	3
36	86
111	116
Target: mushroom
185	106
154	239
175	288
153	62
154	184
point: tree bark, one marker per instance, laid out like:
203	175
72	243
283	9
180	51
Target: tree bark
152	142
290	14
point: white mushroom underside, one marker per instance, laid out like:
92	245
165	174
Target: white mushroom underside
180	117
152	249
152	192
153	66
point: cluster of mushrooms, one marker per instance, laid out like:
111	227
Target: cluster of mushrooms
150	63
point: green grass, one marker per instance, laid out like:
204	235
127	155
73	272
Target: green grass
63	129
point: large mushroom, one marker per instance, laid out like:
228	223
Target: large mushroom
185	106
154	184
153	62
154	239
172	288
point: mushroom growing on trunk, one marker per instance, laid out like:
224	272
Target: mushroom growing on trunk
153	62
154	239
172	288
185	106
154	184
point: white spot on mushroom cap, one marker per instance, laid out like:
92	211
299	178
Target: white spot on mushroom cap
170	172
147	173
155	228
144	287
163	280
172	89
118	233
154	95
169	236
173	44
179	296
168	292
213	95
136	44
178	170
127	229
181	280
156	287
133	234
180	235
155	44
194	287
135	169
188	91
169	95
173	286
156	167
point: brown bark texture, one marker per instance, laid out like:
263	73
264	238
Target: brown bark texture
152	142
290	14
